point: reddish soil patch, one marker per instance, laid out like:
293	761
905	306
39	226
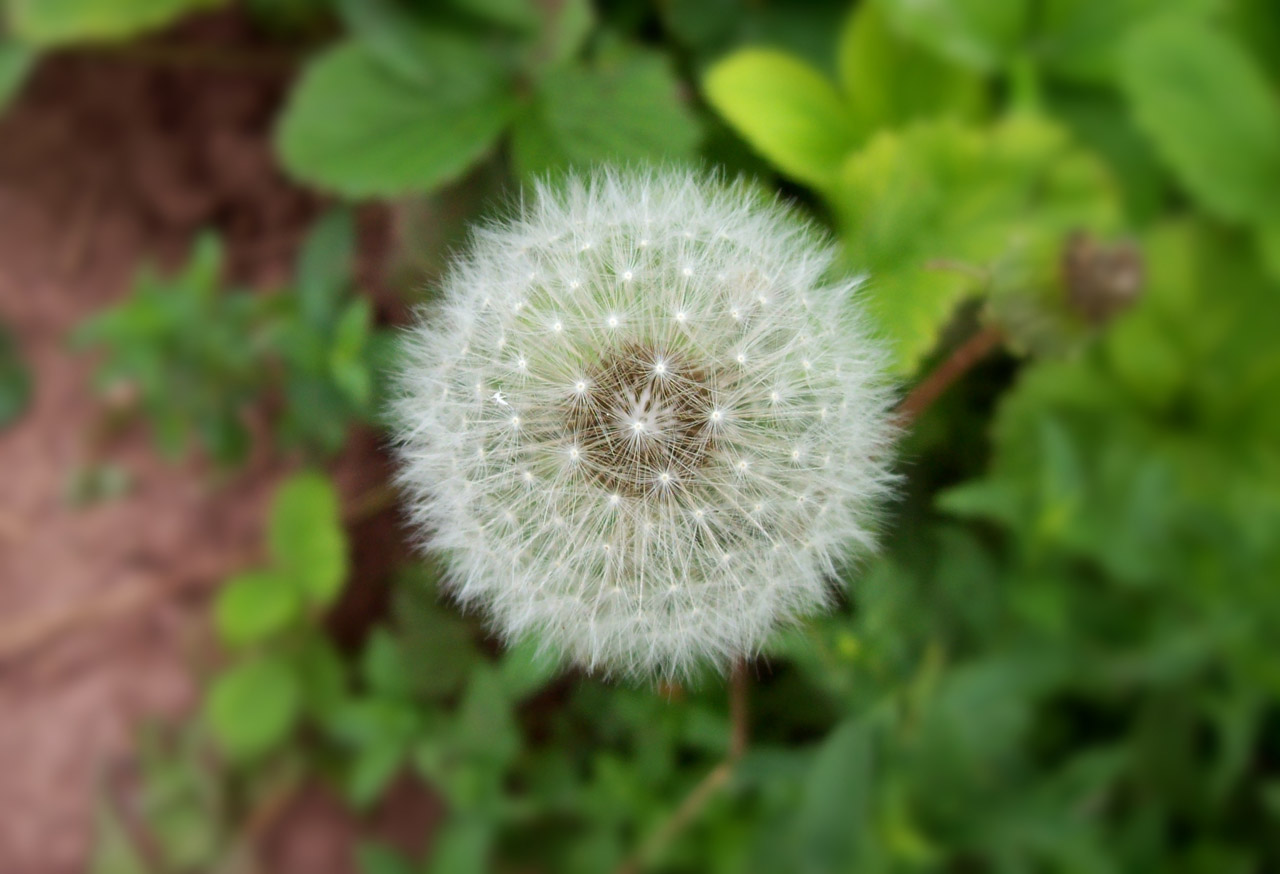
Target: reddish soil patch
106	161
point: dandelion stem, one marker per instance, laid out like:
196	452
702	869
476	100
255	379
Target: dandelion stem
932	387
692	805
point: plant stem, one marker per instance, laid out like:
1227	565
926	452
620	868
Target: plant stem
929	389
706	788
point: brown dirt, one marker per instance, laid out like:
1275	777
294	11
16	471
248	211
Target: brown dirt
106	161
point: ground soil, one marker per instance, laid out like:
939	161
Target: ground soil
107	160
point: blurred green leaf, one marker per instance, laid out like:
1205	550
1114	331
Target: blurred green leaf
15	379
1210	113
55	22
377	858
16	61
834	815
786	110
518	14
356	129
252	707
306	536
890	82
462	846
113	852
625	110
324	266
975	33
255	605
347	363
938	212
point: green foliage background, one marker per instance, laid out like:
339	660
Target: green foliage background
1065	658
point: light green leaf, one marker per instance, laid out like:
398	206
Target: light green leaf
306	537
255	605
1211	114
975	33
939	212
113	852
252	707
357	129
786	110
54	22
890	81
377	858
16	61
625	110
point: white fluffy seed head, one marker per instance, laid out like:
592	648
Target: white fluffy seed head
683	462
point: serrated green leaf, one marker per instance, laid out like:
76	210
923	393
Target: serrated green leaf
354	128
889	81
57	22
623	110
975	33
1211	114
306	537
253	606
253	706
786	110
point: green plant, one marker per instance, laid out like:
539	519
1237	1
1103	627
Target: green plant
412	99
197	358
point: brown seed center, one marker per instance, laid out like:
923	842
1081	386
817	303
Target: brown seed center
644	423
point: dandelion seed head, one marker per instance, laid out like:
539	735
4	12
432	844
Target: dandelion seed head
634	492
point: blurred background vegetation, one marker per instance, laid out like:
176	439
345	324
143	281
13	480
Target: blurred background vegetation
1064	660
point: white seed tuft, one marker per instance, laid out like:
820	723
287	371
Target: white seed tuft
651	486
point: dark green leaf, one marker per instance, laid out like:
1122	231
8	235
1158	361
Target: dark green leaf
356	129
16	61
324	267
15	379
624	110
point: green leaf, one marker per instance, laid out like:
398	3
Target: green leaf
16	61
975	33
252	707
324	266
938	212
890	81
54	22
624	110
486	728
346	356
1081	40
516	14
786	110
835	809
15	379
462	846
306	537
113	852
355	128
1211	114
254	606
377	858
